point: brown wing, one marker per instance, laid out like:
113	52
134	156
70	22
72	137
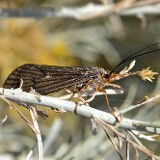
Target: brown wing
49	79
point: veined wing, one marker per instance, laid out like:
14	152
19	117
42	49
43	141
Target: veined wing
46	79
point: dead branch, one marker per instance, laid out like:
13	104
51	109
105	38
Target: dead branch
18	96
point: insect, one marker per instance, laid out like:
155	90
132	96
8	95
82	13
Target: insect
45	79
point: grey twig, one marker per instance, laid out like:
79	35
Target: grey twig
65	105
132	107
38	132
85	12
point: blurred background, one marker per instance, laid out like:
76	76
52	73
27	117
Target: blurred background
102	41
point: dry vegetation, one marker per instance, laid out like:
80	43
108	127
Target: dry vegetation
96	34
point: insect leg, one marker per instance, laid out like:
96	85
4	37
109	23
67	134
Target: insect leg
113	85
91	98
80	98
107	102
67	96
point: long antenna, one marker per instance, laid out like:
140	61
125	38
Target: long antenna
149	49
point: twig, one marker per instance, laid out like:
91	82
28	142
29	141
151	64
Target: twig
52	102
38	133
141	148
135	138
3	120
19	113
29	155
112	141
127	147
143	136
34	127
85	12
149	100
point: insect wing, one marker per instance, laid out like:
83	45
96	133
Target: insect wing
49	79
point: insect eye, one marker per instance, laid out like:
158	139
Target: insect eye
107	76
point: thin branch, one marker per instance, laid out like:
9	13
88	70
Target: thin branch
18	96
29	155
137	147
113	143
19	113
3	120
132	107
38	132
127	147
85	12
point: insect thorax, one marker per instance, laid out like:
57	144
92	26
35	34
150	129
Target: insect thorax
98	81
